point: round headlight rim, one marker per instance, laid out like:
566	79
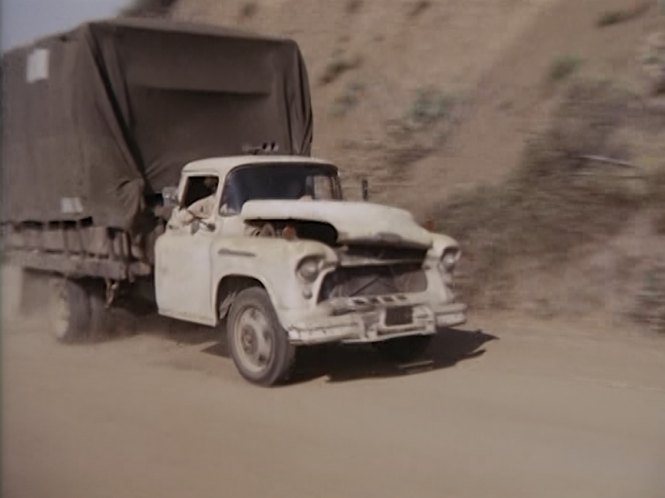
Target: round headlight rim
315	271
449	259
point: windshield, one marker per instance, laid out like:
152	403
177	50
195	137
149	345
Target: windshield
278	182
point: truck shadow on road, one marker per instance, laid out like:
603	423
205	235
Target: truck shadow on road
340	363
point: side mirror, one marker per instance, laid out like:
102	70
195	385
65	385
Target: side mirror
170	196
364	186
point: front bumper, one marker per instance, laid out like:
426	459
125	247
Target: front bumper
367	322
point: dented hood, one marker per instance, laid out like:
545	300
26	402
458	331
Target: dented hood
354	221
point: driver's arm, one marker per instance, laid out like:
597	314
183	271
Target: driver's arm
180	218
199	209
202	208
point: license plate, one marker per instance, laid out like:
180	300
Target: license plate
400	315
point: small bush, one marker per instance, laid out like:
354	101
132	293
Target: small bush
563	66
429	106
418	8
349	98
337	67
248	10
611	17
353	6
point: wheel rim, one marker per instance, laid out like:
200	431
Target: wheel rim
254	340
61	314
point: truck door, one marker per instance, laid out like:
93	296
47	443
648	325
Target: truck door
183	261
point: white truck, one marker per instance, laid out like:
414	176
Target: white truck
283	261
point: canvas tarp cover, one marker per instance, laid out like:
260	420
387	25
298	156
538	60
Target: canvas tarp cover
98	118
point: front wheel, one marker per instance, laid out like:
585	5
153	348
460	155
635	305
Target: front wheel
258	344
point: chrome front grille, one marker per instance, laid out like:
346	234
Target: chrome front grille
365	281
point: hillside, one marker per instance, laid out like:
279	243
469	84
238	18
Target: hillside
455	74
375	65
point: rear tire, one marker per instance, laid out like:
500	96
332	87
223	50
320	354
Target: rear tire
404	348
70	311
259	345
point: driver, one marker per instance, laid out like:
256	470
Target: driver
199	209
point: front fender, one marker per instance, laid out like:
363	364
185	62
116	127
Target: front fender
271	261
440	243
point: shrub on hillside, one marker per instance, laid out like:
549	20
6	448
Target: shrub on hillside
430	106
417	8
616	16
353	6
563	67
348	99
248	10
337	67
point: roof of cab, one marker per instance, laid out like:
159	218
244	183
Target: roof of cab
222	165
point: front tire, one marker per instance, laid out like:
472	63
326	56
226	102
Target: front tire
259	345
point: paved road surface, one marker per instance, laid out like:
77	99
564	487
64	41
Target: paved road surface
509	411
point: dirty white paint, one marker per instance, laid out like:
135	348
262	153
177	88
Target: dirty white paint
353	220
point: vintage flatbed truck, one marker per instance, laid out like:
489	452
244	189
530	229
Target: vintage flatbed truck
103	122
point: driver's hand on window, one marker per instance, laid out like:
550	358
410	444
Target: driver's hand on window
202	208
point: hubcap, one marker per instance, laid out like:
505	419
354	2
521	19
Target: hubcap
253	340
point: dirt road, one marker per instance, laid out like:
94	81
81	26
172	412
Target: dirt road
508	411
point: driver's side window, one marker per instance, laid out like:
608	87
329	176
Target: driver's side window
199	196
198	187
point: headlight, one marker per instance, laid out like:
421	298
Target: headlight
309	268
449	259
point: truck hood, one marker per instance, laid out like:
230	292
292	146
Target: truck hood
361	222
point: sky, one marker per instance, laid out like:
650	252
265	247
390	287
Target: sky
25	20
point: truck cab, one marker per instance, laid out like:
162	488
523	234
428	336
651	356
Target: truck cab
266	246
